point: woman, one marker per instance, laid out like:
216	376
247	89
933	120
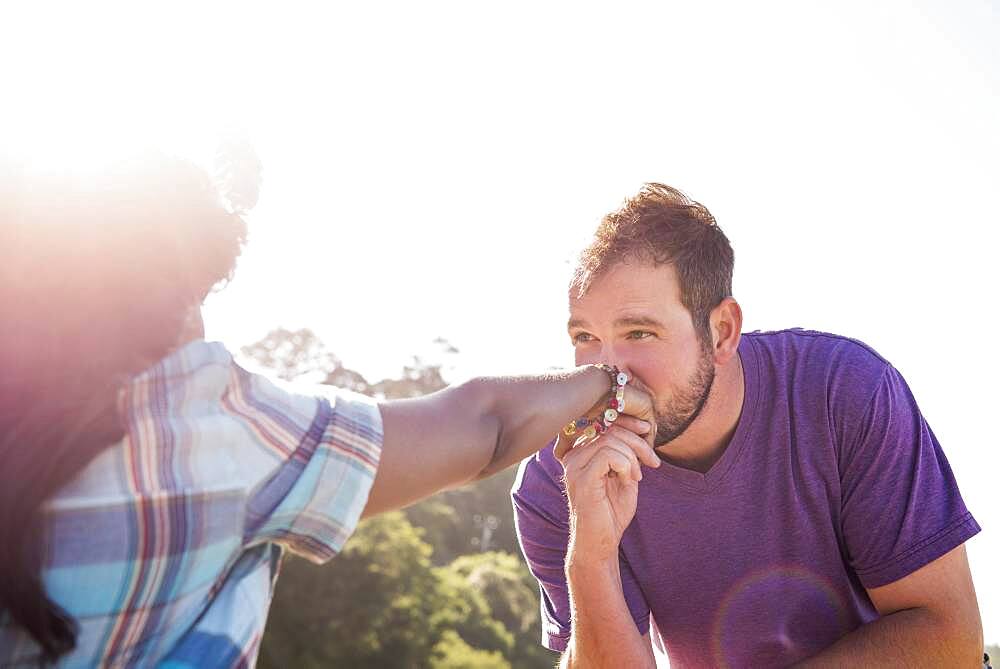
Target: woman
149	484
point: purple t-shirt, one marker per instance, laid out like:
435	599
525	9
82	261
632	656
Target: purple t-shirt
833	482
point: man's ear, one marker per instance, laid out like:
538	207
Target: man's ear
726	323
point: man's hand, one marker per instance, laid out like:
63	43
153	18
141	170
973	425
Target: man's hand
602	483
602	478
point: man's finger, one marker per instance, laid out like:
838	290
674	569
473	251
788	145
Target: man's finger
639	446
582	456
635	467
578	456
565	443
610	459
642	450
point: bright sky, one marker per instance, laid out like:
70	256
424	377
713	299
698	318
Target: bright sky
430	169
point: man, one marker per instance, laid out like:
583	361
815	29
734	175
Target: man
803	511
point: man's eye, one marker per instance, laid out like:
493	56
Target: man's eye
582	338
639	334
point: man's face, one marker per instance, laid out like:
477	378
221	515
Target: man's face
632	317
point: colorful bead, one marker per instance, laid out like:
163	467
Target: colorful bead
610	415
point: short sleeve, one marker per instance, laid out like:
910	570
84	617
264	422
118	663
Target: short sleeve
323	466
542	519
900	505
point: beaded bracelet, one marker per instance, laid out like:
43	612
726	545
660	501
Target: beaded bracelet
589	428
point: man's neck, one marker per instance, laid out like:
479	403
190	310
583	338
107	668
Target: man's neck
704	442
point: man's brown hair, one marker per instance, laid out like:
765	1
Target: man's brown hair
662	225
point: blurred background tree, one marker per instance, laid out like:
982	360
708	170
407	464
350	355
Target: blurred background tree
293	353
439	585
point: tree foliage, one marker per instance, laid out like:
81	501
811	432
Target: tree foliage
411	589
512	595
453	653
292	353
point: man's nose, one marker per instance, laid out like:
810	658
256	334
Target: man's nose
612	358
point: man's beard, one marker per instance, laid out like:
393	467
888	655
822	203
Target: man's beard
681	410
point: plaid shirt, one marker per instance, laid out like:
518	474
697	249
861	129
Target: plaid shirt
165	548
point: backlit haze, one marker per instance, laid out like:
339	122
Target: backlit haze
430	170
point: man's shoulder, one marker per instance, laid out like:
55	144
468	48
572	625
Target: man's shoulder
817	355
838	372
813	342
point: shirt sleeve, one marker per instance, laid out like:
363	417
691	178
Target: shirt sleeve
900	505
325	449
542	519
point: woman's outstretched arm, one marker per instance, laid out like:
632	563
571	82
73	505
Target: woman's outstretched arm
478	428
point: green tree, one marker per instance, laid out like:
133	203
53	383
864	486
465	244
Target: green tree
462	608
412	589
480	518
292	353
451	652
511	593
509	589
380	603
418	379
370	606
445	528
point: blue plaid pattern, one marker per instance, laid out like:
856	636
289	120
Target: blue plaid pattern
165	548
